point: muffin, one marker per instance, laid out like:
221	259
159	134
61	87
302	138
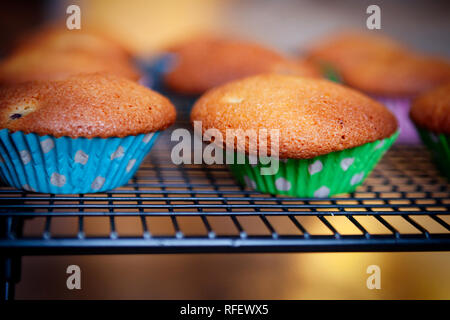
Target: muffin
330	136
430	113
87	133
206	62
94	43
43	64
344	50
55	54
384	69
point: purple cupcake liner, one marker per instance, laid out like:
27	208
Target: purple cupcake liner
400	108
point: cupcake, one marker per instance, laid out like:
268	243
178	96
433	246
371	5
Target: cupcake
94	43
87	133
342	51
330	136
430	113
55	54
206	62
42	64
384	69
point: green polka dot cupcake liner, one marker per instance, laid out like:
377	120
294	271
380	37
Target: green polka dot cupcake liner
439	145
319	177
67	166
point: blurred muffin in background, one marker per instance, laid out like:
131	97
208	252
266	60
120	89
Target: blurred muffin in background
405	76
51	65
379	65
382	68
89	41
344	50
431	114
55	54
206	62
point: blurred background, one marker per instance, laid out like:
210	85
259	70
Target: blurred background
146	27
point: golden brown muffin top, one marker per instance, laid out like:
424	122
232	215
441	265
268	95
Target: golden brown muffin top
62	40
91	105
378	65
314	116
43	64
206	62
432	110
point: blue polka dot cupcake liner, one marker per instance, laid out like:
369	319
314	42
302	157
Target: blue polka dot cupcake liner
319	177
439	145
155	72
68	166
156	68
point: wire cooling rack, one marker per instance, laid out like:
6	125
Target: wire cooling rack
403	206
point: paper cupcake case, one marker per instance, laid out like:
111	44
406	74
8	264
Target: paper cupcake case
156	70
330	73
66	166
400	107
319	177
439	145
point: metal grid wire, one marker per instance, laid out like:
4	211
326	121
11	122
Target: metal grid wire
403	205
